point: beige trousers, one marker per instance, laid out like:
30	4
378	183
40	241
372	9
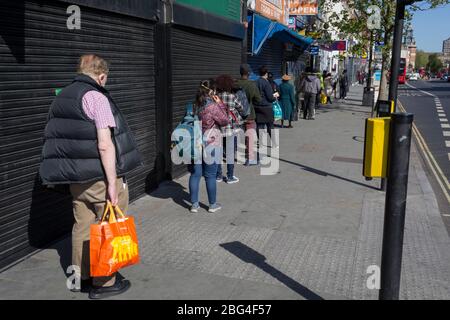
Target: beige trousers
89	200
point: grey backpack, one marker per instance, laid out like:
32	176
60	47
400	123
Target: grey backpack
240	94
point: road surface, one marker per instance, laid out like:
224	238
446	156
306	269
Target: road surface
429	101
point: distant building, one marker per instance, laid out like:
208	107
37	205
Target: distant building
446	47
409	48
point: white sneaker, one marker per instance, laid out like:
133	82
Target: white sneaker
233	180
214	208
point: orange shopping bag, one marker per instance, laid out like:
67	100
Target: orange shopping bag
113	243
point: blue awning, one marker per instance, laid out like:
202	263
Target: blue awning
264	29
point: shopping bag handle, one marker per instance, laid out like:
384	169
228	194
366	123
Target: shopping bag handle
111	212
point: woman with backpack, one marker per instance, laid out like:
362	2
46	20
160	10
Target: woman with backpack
213	115
226	91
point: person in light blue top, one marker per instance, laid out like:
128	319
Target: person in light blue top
287	100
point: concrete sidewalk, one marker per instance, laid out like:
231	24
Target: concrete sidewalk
309	232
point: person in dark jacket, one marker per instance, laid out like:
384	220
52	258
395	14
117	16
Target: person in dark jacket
272	82
264	109
254	98
89	146
343	84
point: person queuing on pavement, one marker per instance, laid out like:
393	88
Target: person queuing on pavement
287	100
328	83
225	86
311	86
89	146
213	114
264	109
343	84
253	97
335	82
275	87
320	76
300	94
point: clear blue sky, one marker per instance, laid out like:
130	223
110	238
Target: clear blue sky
431	28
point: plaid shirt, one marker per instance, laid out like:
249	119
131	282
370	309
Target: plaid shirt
97	108
231	101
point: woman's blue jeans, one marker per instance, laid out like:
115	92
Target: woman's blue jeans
230	166
209	171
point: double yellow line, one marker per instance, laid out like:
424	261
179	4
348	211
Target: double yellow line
432	163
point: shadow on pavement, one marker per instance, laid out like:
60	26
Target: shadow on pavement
249	255
51	221
175	191
64	249
325	174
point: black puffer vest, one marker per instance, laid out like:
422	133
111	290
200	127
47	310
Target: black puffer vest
70	153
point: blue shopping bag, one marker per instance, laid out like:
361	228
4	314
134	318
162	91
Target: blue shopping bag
277	112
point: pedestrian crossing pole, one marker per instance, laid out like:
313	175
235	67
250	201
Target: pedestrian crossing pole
397	49
395	207
398	169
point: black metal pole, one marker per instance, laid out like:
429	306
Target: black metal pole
396	50
369	75
394	217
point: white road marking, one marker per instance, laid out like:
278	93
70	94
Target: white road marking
427	93
441	178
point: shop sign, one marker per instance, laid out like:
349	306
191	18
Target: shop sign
339	45
272	9
303	7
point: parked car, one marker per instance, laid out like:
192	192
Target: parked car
444	77
414	77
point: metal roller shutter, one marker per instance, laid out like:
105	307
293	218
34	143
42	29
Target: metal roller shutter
37	55
196	56
271	55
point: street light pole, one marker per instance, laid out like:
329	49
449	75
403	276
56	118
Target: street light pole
397	48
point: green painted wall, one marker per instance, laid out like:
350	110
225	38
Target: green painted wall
230	9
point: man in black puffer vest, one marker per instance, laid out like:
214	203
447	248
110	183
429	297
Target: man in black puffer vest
89	146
